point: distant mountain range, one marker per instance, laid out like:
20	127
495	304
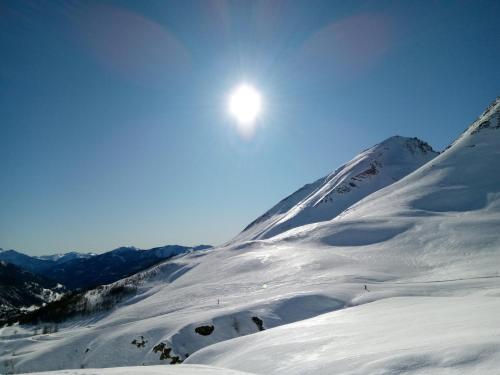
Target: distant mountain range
82	271
39	264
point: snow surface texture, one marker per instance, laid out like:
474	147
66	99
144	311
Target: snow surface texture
324	199
406	281
399	335
149	370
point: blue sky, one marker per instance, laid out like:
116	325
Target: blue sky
113	121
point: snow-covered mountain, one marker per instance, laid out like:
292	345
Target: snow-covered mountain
371	170
20	289
432	234
406	280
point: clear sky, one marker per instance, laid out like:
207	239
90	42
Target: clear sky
114	126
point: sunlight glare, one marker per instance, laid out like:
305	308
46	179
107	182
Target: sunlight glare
245	104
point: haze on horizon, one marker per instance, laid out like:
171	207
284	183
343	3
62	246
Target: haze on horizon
114	121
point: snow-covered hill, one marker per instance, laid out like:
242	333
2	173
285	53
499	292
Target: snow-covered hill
324	199
406	335
404	281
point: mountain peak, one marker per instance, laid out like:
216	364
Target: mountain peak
489	119
413	144
324	199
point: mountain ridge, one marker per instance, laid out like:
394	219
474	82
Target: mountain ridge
369	171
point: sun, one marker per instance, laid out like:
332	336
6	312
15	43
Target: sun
245	105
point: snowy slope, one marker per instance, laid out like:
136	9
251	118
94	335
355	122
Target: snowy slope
427	248
427	335
327	197
150	370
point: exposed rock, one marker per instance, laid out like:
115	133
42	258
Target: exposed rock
204	330
163	350
175	360
140	343
258	322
